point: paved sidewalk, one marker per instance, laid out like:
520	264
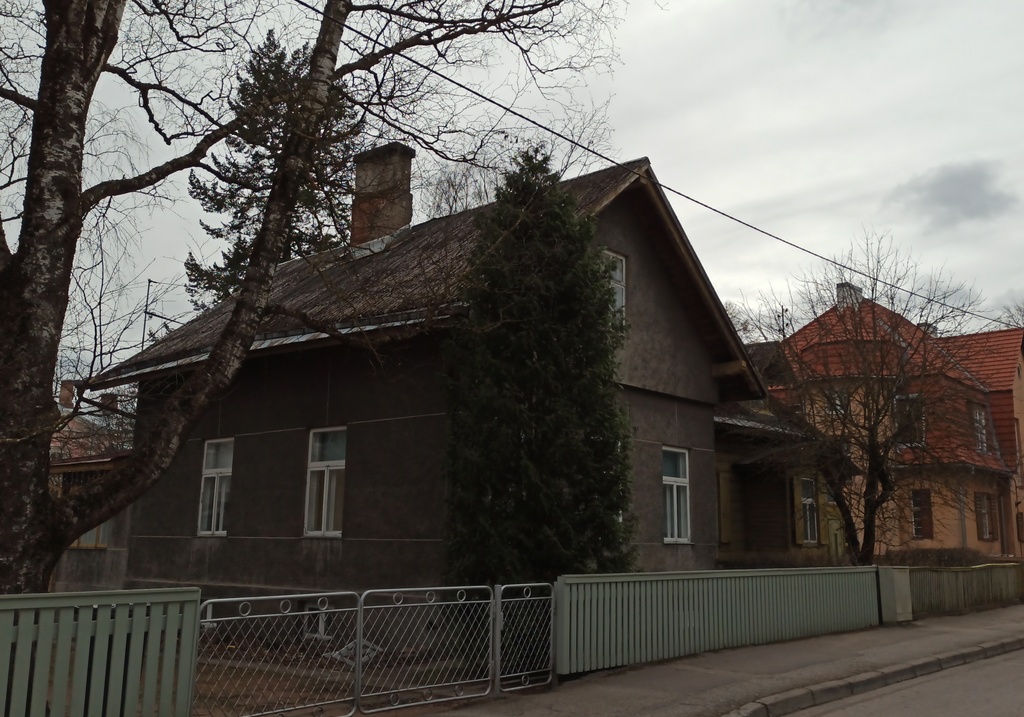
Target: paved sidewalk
716	683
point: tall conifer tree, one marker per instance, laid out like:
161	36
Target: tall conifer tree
538	452
242	176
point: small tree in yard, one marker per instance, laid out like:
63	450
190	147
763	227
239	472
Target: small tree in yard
538	445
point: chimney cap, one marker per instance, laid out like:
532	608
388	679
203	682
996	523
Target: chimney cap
385	150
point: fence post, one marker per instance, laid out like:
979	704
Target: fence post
560	604
358	656
496	625
894	595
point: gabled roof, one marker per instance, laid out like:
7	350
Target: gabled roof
413	278
992	357
847	340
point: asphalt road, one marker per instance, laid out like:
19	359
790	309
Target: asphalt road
990	688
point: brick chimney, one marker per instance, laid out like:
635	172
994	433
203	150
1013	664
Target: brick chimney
848	295
382	200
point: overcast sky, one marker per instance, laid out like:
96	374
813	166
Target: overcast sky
819	121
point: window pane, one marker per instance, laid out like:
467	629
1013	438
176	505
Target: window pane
335	499
88	539
682	512
327	446
671	464
807	489
103	533
206	504
223	493
315	502
618	268
670	511
218	455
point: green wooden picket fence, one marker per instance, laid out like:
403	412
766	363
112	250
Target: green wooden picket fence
941	591
605	621
98	654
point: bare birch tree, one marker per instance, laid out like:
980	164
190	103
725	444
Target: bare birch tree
174	60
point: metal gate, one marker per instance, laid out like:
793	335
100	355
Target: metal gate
265	655
525	628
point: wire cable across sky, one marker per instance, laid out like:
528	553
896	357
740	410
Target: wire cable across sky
666	188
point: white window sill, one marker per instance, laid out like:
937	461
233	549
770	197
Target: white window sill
677	541
222	534
321	535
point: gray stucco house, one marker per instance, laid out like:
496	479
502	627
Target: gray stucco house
322	468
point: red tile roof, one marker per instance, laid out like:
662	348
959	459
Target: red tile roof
991	356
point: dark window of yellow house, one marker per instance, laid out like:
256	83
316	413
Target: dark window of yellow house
909	419
921	505
985	516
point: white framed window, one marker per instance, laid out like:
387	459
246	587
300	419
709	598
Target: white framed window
675	481
325	481
617	278
809	507
215	490
980	428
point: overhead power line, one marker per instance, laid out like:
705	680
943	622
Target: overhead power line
597	153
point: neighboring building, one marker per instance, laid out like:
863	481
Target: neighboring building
774	507
92	429
996	359
98	560
322	467
891	392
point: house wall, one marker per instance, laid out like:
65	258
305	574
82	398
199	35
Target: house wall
392	404
732	537
100	568
659	422
953	515
670	393
664	352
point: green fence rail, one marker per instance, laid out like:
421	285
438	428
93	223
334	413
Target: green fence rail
605	621
937	591
98	654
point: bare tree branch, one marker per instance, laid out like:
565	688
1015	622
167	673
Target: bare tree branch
17	98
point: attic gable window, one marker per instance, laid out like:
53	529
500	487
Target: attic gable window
980	428
617	278
325	481
908	415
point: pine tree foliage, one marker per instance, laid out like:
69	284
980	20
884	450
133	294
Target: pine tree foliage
241	177
538	445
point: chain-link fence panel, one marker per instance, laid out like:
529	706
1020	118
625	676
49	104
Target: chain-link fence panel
266	655
425	645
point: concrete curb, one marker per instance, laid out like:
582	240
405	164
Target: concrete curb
790	701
